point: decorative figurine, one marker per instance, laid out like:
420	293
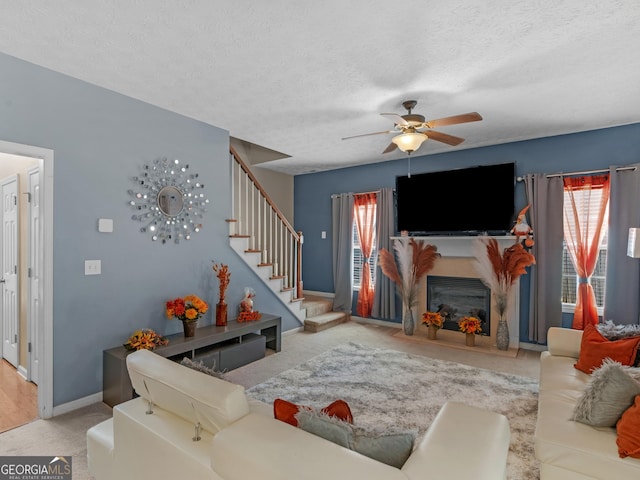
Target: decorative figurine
523	229
246	305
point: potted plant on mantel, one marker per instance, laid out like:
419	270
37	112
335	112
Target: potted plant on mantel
415	259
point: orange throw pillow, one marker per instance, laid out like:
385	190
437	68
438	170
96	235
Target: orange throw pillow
286	411
628	428
595	348
339	409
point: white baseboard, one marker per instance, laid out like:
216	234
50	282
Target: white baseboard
532	346
22	371
76	404
293	330
373	321
319	294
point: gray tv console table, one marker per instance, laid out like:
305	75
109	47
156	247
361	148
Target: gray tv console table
222	348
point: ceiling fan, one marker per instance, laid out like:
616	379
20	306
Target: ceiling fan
413	129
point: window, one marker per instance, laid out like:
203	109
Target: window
569	275
356	258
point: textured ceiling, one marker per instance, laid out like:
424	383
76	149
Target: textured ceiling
297	76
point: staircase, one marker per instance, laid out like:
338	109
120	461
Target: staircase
253	258
320	314
267	243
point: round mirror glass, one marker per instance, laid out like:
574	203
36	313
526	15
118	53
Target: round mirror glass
170	201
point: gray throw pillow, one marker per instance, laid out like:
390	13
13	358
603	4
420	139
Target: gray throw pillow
392	448
611	331
322	425
611	390
201	367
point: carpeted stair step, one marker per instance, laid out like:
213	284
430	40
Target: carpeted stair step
316	305
317	323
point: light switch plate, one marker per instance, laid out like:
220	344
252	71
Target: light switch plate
92	267
105	225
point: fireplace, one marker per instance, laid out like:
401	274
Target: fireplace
457	297
457	261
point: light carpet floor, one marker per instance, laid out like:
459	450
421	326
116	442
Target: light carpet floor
66	434
391	390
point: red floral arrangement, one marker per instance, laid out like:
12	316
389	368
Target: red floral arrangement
187	309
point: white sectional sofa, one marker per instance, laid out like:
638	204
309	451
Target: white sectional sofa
566	449
241	440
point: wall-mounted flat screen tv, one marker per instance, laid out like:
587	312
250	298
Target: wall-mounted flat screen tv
468	201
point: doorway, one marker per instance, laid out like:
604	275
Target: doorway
33	167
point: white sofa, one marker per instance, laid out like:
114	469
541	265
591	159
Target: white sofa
241	440
569	450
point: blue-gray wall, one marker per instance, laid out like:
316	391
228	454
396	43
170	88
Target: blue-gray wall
566	153
100	141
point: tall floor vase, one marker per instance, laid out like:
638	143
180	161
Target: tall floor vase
502	335
408	323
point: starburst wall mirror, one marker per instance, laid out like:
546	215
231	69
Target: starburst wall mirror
168	200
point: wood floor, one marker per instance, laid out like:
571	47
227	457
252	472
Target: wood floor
18	398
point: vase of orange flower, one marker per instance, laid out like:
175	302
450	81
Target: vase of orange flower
433	321
187	309
470	326
223	274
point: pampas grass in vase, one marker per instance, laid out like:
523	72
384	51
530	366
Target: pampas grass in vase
414	260
499	271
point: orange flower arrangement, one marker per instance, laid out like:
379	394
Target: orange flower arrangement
187	309
470	325
145	339
249	316
223	274
432	318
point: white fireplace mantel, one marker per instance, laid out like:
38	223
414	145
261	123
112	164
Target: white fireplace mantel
460	246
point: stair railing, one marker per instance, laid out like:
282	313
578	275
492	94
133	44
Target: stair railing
256	216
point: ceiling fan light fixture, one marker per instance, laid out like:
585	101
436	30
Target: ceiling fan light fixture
409	142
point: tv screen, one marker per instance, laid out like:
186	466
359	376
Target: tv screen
468	201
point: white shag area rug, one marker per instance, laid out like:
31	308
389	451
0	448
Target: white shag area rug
396	390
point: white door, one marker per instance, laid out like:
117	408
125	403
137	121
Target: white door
9	279
35	269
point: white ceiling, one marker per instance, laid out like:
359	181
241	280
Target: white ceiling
297	76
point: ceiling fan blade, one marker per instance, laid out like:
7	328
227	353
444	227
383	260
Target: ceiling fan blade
443	137
392	146
398	120
464	118
368	134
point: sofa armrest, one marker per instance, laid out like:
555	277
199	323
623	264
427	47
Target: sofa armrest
192	395
100	458
462	443
564	342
